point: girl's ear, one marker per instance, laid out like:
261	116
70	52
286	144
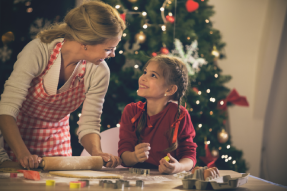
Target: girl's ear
171	90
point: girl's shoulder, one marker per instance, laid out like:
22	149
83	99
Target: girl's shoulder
132	112
134	107
174	108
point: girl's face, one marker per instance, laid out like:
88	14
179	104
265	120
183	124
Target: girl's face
152	84
97	53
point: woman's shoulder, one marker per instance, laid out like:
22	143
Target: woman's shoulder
37	43
98	71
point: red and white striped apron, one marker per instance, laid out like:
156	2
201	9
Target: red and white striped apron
43	119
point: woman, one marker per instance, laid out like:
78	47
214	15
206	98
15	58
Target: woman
53	75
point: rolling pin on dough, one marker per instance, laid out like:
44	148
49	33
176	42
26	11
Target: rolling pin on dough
72	163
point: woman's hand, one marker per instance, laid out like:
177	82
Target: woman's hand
173	166
110	160
142	152
29	161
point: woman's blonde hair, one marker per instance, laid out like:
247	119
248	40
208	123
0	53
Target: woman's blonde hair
91	23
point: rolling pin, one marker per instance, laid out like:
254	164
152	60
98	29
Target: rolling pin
72	163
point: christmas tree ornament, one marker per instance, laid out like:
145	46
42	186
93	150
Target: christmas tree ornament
222	136
130	62
164	50
8	37
123	16
154	54
195	89
191	6
215	53
215	152
38	25
170	18
132	1
140	37
5	53
190	58
209	159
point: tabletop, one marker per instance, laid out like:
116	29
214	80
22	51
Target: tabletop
154	182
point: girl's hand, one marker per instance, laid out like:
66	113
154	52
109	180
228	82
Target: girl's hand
173	166
111	160
142	152
29	161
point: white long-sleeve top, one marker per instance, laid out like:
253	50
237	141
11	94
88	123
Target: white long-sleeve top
32	61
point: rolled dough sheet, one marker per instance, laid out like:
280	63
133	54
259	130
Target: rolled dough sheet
90	174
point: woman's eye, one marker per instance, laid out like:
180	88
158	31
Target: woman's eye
109	50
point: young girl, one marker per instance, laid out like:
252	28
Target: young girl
160	127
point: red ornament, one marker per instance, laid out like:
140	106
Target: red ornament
195	89
209	160
164	50
154	54
123	16
169	18
191	5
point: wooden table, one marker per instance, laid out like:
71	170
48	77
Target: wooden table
19	183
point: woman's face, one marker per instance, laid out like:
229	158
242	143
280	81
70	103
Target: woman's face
97	53
152	84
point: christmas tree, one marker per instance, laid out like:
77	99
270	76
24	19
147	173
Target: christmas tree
183	29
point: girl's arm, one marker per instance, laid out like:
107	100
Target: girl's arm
140	154
174	166
186	151
186	164
12	136
129	158
128	148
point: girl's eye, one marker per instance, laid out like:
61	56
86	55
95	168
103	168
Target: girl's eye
144	72
154	76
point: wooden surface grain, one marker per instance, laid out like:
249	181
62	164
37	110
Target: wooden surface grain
155	182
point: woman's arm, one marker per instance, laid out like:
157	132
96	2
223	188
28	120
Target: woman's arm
12	136
92	144
31	61
96	82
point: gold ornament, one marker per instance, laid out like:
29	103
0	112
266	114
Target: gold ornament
215	53
140	37
222	136
8	37
214	152
132	1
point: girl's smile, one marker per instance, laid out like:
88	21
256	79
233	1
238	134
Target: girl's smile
141	86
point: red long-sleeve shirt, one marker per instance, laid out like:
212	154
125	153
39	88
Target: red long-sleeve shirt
157	133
